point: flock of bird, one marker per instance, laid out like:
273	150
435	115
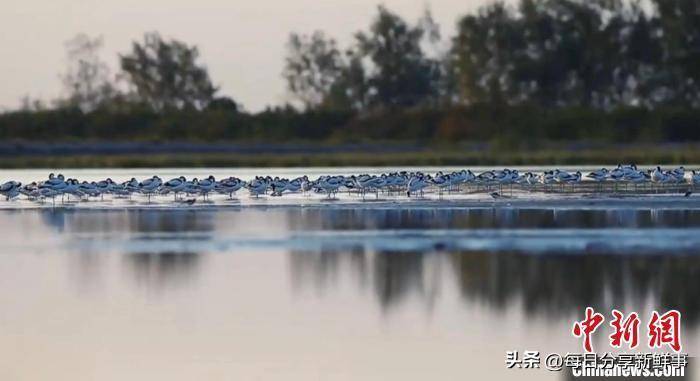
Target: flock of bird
408	183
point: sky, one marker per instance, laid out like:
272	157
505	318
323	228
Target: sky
242	43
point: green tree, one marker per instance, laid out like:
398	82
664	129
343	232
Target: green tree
312	66
679	23
400	73
165	74
350	91
596	53
482	54
569	52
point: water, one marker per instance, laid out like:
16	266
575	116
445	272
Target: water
349	290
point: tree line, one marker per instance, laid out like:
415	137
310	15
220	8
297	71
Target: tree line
551	53
600	70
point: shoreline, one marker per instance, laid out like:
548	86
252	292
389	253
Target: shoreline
343	201
225	154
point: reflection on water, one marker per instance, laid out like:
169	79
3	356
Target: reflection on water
484	218
545	285
135	221
163	270
551	286
273	305
339	219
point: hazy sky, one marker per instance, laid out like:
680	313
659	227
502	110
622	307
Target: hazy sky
241	42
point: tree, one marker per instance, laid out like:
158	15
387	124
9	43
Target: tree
638	74
165	74
595	53
313	65
679	23
401	74
87	78
482	54
224	104
569	52
351	90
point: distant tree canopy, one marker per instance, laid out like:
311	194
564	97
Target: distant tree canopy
554	53
385	67
516	73
165	74
401	74
314	64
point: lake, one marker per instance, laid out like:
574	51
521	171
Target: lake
432	289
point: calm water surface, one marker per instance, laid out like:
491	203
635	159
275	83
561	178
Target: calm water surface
327	292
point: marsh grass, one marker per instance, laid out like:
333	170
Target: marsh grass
439	156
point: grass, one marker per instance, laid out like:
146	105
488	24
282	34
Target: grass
437	156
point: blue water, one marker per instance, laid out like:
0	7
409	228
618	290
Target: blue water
389	290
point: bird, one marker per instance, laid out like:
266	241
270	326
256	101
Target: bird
599	175
278	186
10	189
695	178
658	175
417	183
330	184
31	190
257	186
679	174
207	185
391	182
150	186
175	186
229	186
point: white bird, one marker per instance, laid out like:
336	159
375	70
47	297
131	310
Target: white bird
207	185
47	192
131	186
72	188
530	178
257	186
150	186
192	187
575	178
442	181
658	175
230	186
617	174
417	184
30	190
175	186
485	177
90	189
695	178
10	189
330	184
599	175
296	184
637	177
278	186
54	180
548	177
679	174
562	176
